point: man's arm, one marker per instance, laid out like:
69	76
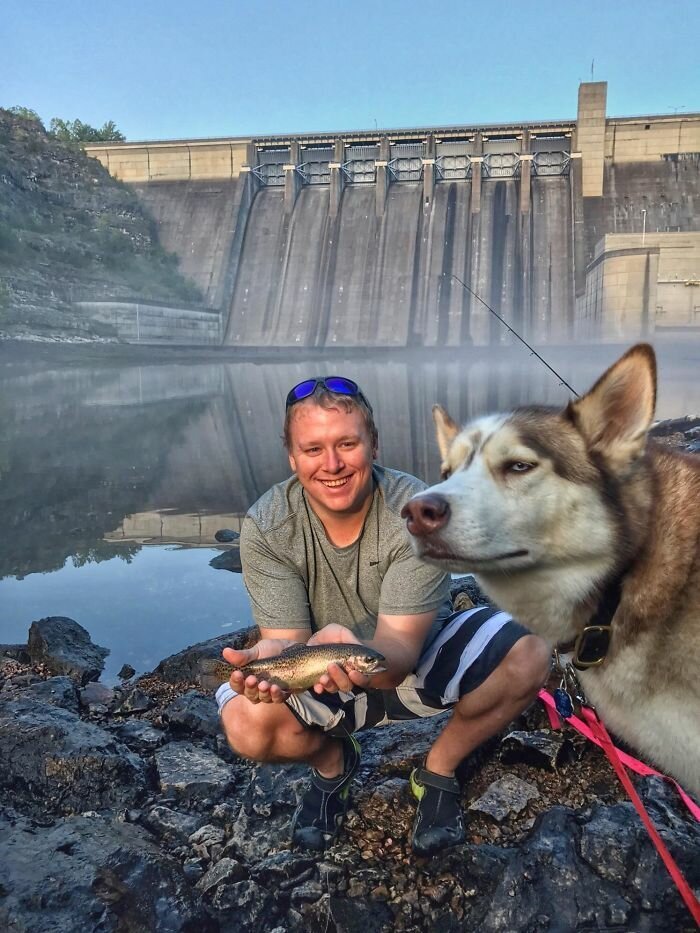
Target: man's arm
399	638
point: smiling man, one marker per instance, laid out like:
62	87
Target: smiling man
326	559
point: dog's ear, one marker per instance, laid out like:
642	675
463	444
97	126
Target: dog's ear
445	429
615	415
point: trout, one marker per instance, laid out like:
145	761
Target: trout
298	667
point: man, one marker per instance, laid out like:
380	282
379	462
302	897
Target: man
326	559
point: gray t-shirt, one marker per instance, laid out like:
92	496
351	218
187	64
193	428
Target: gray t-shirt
297	578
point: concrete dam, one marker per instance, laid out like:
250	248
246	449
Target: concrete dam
361	239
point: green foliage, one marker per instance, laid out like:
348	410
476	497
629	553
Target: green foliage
27	114
75	131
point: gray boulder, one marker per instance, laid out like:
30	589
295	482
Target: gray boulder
64	647
92	873
183	667
54	762
194	712
188	772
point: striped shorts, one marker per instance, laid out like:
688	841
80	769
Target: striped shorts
469	647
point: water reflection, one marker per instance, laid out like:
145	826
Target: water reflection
97	462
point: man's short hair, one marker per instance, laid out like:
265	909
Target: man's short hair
327	399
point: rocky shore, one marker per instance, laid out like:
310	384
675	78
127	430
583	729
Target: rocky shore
123	809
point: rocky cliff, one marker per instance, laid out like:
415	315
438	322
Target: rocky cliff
69	231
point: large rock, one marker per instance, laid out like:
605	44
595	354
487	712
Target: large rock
183	667
193	712
56	691
53	762
64	647
188	772
91	873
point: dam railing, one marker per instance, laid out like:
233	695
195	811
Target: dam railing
453	161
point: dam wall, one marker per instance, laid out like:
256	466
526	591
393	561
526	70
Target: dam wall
365	238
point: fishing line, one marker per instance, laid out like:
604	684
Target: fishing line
532	350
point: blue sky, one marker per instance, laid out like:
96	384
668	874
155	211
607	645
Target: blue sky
210	68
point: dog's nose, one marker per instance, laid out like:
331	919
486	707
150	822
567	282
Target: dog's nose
426	513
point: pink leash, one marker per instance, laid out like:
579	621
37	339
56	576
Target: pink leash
597	733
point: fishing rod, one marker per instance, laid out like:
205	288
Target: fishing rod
532	350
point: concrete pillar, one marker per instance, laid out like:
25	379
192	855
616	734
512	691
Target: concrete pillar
525	171
524	312
337	177
476	184
429	172
590	136
292	178
578	223
381	168
476	161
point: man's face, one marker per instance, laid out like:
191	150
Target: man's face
331	453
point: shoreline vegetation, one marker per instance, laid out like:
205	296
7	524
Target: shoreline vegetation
71	232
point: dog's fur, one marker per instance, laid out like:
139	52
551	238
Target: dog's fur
546	507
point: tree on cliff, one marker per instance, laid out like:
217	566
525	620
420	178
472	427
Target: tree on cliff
75	131
26	113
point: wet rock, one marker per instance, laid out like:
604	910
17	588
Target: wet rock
399	746
140	736
96	694
226	871
268	800
64	647
508	795
228	560
183	667
194	868
194	712
282	870
135	701
126	672
54	761
14	653
186	771
246	901
207	842
88	874
226	535
171	824
542	748
56	691
345	915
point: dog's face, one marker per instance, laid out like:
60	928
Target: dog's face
536	488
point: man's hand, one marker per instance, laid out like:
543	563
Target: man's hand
337	678
257	691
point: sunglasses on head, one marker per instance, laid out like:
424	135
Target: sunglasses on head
338	384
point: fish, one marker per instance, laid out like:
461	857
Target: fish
298	667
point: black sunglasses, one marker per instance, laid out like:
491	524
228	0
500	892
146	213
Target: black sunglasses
338	384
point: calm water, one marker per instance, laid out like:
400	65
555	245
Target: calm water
113	479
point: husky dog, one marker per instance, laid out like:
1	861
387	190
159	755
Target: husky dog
573	519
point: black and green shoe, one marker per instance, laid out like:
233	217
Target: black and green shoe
320	813
439	822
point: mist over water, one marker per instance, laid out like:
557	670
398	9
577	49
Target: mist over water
114	478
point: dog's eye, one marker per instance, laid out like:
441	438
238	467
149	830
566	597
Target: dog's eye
518	466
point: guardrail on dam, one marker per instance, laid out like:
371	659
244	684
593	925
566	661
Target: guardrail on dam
353	239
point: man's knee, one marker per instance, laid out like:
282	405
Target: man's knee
527	664
251	729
